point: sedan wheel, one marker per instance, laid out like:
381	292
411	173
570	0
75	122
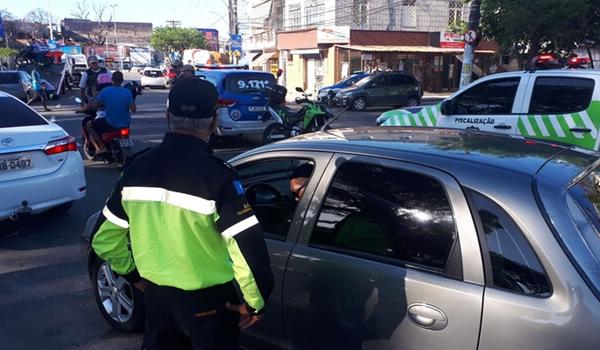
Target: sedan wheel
120	303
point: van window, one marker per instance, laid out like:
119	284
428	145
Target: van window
244	83
558	95
9	78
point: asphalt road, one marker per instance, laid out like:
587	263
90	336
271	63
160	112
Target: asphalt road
46	299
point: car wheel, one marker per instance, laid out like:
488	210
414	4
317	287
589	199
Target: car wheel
412	101
359	104
121	304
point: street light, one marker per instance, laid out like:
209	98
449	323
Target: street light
116	40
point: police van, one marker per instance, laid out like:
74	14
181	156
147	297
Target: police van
557	105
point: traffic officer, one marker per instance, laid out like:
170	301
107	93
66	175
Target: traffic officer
178	226
88	85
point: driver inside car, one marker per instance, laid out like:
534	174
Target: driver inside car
299	180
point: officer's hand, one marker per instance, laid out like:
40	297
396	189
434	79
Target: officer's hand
246	319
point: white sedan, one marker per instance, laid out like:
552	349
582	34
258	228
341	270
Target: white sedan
40	167
153	77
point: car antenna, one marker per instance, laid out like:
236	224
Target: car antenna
334	118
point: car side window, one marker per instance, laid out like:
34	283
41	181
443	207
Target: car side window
396	216
268	187
378	82
399	80
488	98
515	267
558	95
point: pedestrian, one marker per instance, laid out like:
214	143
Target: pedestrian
88	82
39	86
178	227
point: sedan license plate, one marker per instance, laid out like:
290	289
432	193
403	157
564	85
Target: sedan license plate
16	163
126	142
257	108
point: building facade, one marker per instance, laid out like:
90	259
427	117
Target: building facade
129	33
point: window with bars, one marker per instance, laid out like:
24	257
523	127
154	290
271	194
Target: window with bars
294	16
360	14
314	14
455	13
409	13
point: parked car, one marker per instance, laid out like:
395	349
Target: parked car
381	89
327	93
557	105
17	83
40	167
419	239
153	77
243	99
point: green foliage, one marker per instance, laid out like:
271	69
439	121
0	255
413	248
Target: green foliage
7	52
168	39
526	28
458	28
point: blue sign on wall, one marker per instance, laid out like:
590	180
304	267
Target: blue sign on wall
2	35
235	43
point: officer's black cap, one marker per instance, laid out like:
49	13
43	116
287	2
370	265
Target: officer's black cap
193	98
304	170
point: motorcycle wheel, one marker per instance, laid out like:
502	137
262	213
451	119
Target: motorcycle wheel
21	61
274	132
87	150
316	124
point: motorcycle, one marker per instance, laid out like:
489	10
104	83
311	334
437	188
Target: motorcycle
311	117
28	57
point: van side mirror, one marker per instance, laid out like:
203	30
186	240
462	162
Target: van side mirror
446	107
299	89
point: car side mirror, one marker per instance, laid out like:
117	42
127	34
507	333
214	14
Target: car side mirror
299	89
446	107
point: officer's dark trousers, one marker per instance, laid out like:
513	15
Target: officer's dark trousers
177	319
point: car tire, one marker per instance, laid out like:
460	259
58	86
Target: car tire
359	104
110	289
411	102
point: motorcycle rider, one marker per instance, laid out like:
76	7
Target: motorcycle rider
176	67
88	82
118	102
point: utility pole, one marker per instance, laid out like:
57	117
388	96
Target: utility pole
50	21
469	55
173	23
116	40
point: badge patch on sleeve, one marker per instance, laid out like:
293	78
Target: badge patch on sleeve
238	187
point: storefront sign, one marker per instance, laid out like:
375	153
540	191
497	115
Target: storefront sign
366	57
333	35
451	40
274	69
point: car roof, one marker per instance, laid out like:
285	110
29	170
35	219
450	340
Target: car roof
231	71
553	72
447	149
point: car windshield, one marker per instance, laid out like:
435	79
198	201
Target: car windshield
16	114
9	78
583	204
245	83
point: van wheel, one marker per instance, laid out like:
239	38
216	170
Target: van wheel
359	104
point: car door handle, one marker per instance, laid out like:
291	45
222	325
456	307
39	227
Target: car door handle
502	126
427	316
580	130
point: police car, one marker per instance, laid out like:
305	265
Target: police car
556	105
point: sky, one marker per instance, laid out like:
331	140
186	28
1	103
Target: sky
191	13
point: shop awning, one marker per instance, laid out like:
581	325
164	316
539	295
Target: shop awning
409	49
262	59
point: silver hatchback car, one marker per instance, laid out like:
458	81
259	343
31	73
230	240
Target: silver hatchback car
17	83
420	239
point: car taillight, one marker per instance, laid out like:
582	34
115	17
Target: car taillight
124	132
61	145
223	102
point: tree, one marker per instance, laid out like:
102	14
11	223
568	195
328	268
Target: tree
168	39
523	29
101	19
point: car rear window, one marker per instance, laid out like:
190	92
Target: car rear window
9	78
243	83
15	114
153	73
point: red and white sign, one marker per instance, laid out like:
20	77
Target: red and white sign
451	40
470	36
